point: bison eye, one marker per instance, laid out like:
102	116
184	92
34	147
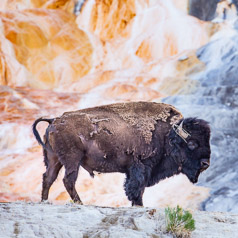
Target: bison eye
192	145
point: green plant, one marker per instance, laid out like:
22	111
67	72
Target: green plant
179	222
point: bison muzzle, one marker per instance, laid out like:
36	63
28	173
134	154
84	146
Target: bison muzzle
146	141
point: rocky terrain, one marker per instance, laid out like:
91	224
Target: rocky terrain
29	220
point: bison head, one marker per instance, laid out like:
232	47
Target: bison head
190	147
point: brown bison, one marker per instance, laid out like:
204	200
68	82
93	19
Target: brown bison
146	141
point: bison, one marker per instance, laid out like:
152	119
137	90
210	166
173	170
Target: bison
146	141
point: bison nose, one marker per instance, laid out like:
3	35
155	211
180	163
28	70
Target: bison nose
205	163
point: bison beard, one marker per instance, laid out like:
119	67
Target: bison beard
137	138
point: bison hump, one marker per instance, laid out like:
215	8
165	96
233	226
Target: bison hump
143	116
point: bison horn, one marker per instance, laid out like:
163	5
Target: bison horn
180	131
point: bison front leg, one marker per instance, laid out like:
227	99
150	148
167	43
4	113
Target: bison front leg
136	179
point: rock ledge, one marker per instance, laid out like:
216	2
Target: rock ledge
47	220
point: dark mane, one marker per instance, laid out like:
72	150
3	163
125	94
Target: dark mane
175	147
197	126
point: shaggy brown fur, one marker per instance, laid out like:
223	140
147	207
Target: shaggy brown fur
133	138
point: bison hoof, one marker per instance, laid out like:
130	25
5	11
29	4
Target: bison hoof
138	206
45	202
92	175
76	202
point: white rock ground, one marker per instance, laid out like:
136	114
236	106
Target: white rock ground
29	220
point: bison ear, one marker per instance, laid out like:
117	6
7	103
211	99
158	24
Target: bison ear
180	131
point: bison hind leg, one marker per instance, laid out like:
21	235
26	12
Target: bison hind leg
46	162
135	183
71	173
69	183
53	167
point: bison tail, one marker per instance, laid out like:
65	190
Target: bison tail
36	133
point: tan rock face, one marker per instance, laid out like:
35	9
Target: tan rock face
23	105
46	45
111	18
66	5
43	45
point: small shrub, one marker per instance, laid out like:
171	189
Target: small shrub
179	222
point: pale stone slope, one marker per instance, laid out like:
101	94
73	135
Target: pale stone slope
46	220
